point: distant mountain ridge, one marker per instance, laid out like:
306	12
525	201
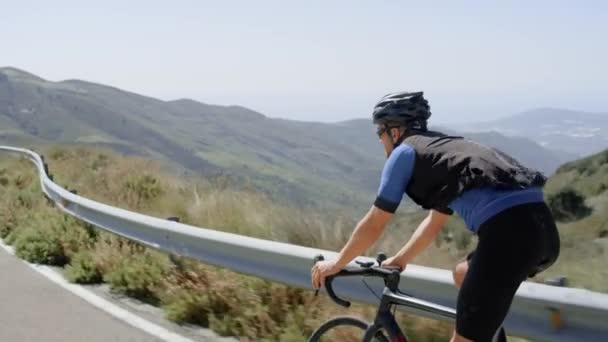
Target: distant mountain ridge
303	161
574	132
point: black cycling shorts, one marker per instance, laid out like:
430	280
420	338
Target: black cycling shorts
516	243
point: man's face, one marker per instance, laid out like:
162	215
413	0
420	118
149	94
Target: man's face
385	138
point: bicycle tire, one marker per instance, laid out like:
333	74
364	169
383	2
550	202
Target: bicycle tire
344	321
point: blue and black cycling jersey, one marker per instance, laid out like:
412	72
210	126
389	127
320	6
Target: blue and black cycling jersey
474	206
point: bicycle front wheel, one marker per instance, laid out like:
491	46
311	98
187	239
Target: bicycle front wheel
344	328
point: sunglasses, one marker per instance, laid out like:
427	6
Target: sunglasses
383	129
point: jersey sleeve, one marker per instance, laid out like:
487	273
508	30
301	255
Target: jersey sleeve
396	175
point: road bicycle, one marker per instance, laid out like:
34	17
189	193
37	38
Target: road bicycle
384	328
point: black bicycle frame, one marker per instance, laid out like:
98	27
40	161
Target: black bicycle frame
390	296
386	320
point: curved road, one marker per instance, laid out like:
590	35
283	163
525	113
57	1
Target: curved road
32	308
42	307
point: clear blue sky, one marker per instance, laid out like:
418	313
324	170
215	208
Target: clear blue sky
323	60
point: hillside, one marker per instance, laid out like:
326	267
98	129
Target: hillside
297	160
584	238
328	165
587	175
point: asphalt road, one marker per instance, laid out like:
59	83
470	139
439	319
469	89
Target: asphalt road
32	308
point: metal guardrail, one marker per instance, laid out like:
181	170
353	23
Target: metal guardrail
540	312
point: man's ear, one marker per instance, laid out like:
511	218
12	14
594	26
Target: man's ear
395	133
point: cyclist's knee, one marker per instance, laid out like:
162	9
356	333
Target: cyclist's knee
459	272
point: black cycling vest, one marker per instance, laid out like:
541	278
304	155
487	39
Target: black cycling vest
446	166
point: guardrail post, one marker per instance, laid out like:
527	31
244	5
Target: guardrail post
561	281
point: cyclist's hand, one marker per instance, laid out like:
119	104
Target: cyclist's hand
322	270
393	261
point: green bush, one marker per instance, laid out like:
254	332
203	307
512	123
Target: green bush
82	269
139	276
293	331
292	334
100	162
10	238
189	307
26	199
12	218
462	238
568	205
142	188
601	188
250	308
73	234
225	325
8	221
39	246
5	230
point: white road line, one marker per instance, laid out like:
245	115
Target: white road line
120	313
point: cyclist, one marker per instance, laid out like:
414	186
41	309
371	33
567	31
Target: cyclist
499	199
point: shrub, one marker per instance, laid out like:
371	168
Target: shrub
8	220
100	162
601	188
40	246
26	199
73	234
462	238
110	251
139	276
82	269
22	181
142	188
188	307
568	205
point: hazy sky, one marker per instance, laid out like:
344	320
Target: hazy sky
323	60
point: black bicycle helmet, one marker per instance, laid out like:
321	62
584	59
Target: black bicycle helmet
402	109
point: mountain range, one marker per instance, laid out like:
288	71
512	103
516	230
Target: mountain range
302	161
573	132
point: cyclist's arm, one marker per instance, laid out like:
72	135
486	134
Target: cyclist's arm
425	234
365	234
395	176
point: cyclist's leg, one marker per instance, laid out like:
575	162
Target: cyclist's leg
460	270
551	241
459	273
506	252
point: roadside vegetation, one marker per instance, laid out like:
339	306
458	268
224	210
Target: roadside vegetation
230	303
